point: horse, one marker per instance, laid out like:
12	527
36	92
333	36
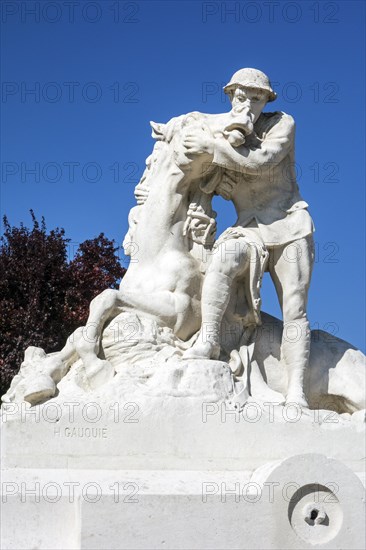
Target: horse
165	279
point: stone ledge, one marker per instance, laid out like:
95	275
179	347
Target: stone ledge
157	509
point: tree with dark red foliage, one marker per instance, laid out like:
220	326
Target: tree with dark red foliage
94	268
43	297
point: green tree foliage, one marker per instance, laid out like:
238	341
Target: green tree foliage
43	296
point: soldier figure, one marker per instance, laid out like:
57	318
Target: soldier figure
271	213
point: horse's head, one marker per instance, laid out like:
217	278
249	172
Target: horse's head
169	137
162	162
166	132
162	133
158	130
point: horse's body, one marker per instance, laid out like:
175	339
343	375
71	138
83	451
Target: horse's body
162	261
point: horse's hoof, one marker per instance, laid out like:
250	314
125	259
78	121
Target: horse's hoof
54	366
40	389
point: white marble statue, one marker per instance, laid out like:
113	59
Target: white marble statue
185	293
271	213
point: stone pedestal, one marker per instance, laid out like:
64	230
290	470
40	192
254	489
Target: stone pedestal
180	473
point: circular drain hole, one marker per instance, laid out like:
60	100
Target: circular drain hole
315	514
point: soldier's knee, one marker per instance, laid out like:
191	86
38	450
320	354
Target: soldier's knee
230	258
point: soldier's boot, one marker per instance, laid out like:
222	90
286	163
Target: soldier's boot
215	298
295	352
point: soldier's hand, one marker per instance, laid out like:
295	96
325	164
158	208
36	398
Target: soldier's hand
198	141
233	233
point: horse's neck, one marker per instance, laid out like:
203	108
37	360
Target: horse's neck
162	216
170	182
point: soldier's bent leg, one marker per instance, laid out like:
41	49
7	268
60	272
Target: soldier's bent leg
225	265
290	267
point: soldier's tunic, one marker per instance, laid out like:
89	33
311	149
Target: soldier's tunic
267	196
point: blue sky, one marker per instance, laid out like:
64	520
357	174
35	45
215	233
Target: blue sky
101	70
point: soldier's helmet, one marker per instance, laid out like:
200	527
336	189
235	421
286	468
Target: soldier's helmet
251	78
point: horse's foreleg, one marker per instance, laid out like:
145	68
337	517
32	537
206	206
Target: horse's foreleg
102	308
83	343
